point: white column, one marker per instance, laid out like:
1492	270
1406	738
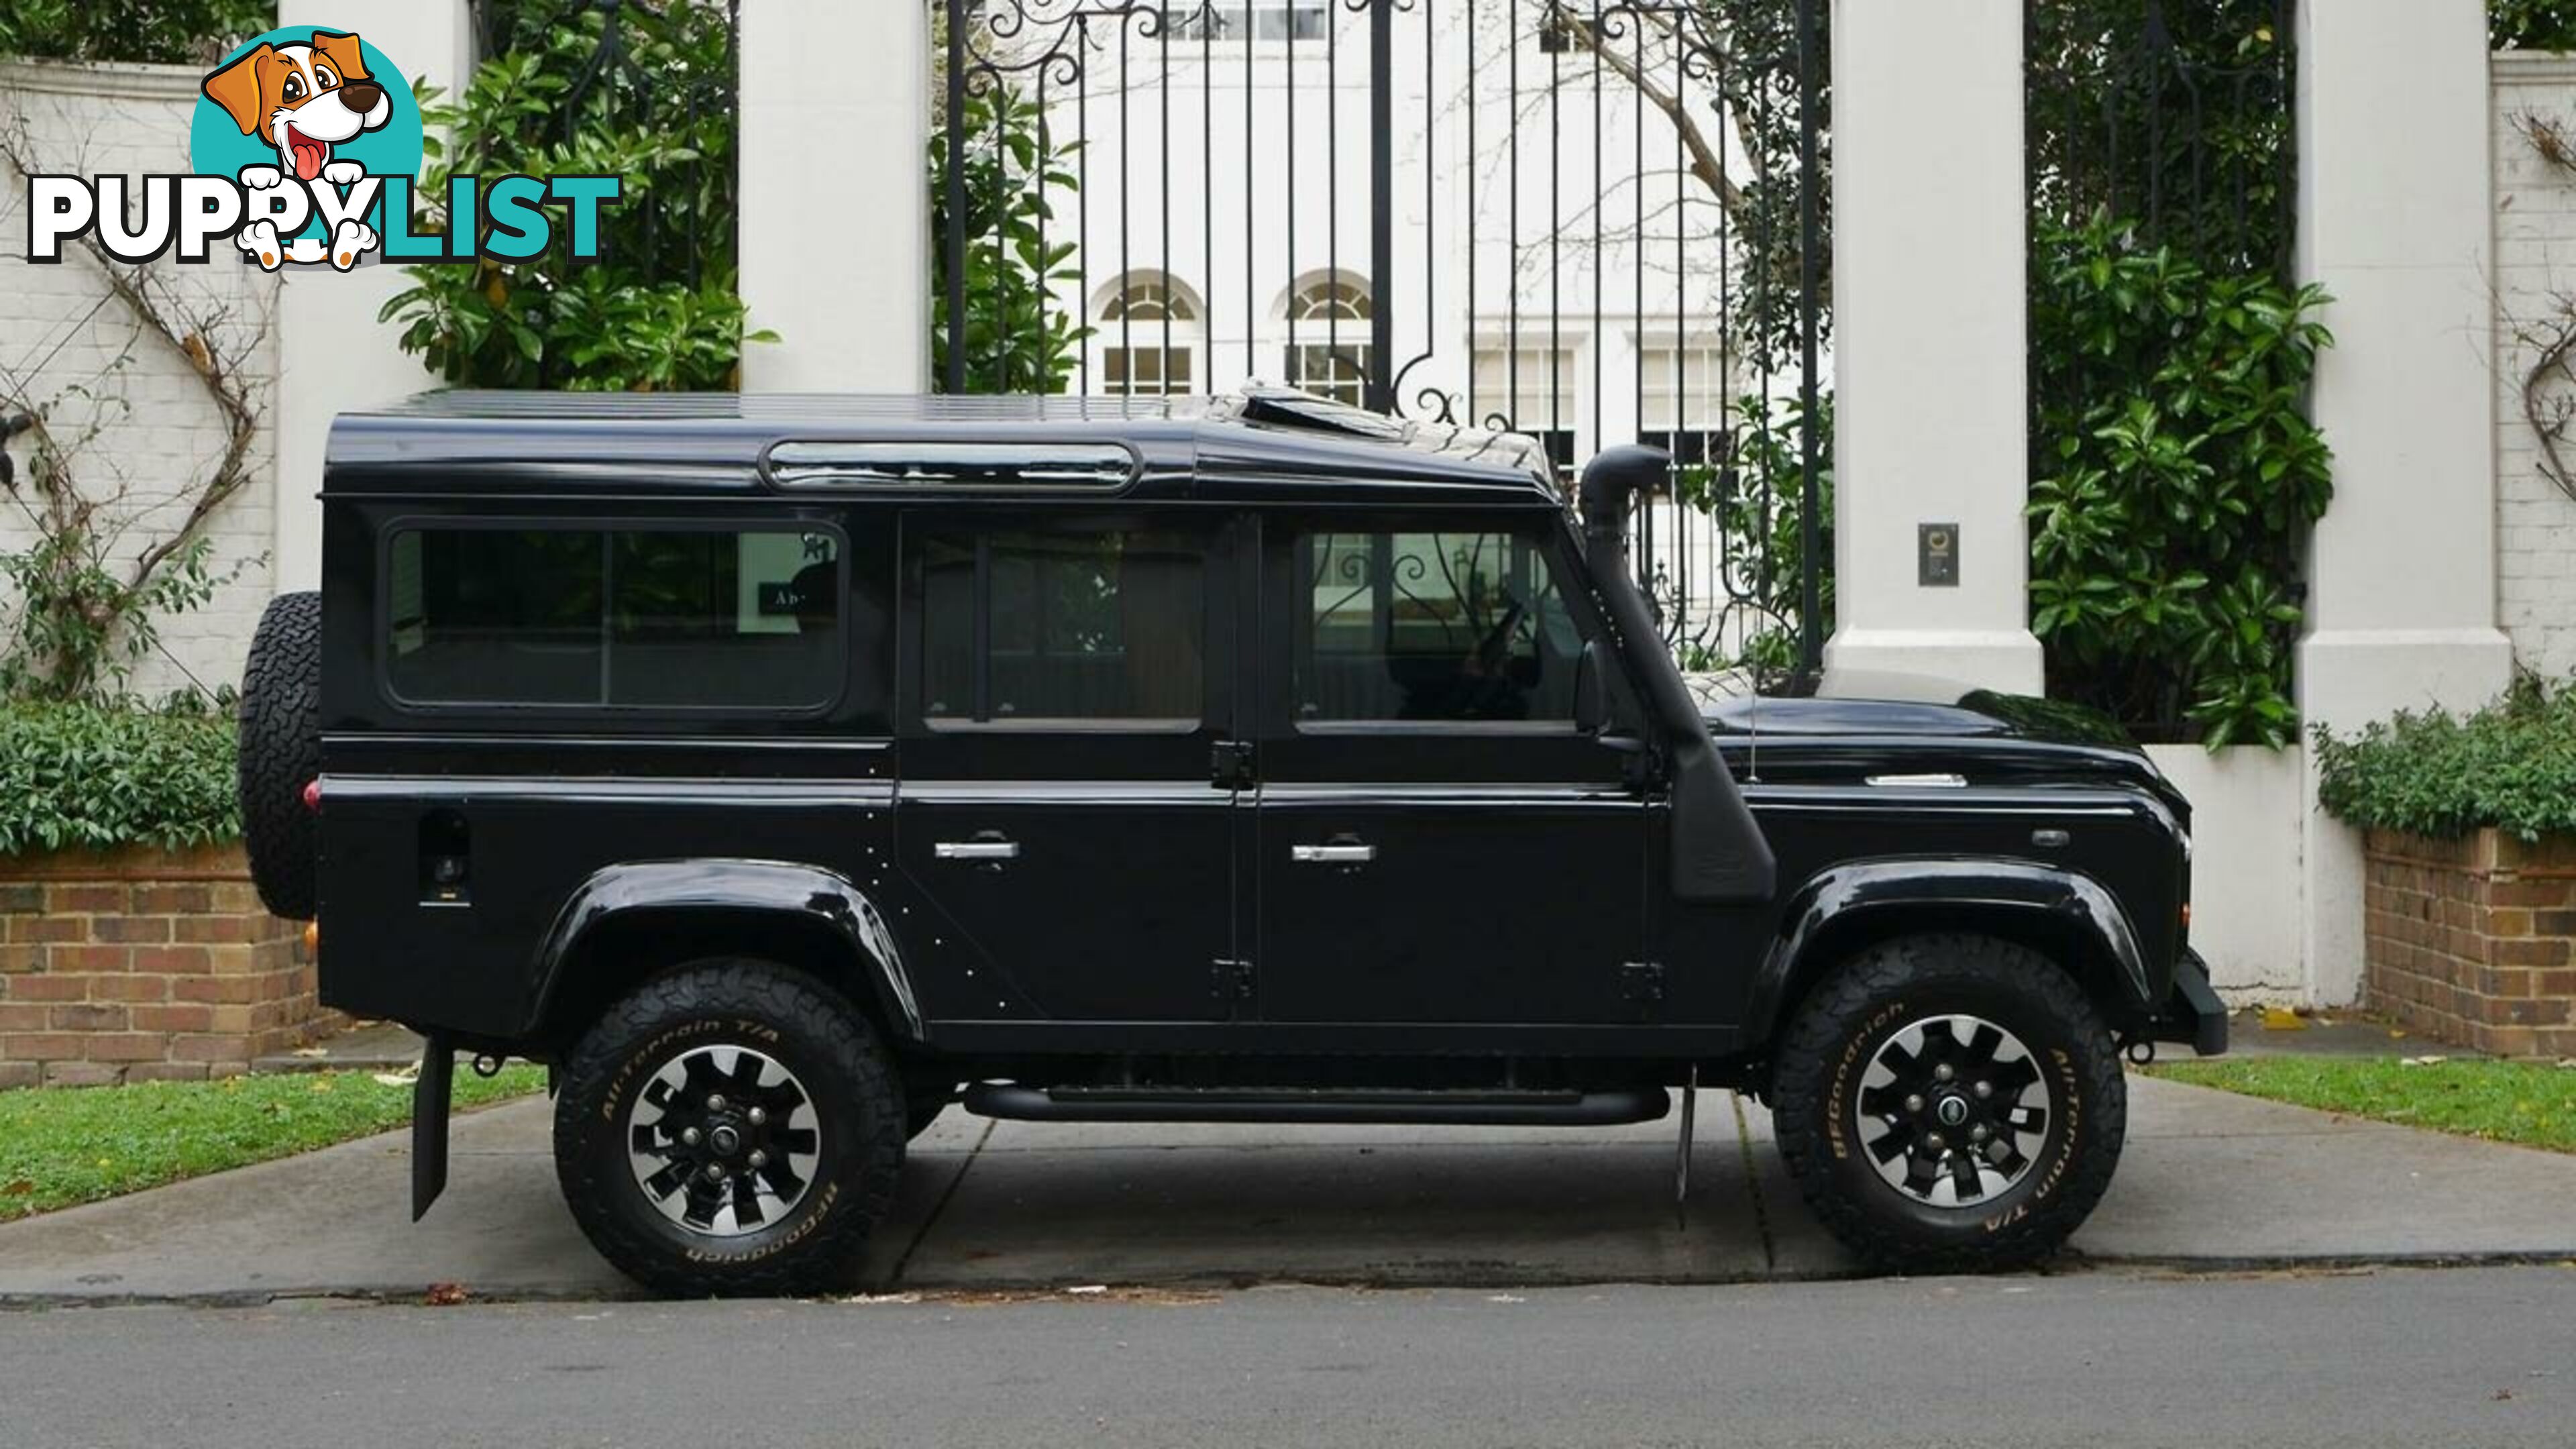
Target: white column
2396	222
1930	316
835	223
333	355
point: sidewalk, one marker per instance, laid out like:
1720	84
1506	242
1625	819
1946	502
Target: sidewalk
2210	1180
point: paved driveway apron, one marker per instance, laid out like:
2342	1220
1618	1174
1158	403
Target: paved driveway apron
2209	1179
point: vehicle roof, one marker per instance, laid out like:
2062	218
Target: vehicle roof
1258	444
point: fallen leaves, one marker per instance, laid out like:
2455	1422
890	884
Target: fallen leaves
2281	1018
446	1295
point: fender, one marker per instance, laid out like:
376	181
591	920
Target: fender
1959	886
770	887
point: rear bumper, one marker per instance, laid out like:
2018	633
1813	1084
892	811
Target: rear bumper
2193	1015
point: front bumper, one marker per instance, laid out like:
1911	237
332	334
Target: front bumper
2193	1015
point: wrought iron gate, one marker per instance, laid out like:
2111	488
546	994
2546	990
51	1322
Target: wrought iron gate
1589	220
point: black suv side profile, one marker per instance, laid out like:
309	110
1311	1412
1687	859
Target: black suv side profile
783	771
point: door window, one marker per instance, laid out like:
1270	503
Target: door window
1432	627
1053	628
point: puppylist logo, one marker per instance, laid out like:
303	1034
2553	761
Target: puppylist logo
305	147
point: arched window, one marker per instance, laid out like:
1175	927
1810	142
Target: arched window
1149	328
1330	354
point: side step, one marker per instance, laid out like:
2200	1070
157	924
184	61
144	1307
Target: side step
1289	1104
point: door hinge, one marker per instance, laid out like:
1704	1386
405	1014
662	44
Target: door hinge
1231	981
1641	983
1230	765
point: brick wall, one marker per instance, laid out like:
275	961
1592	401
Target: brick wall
157	430
145	965
2473	941
2535	269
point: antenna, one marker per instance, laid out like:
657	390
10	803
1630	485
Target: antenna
1753	762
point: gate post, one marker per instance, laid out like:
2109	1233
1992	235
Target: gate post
333	356
2396	222
835	209
1930	353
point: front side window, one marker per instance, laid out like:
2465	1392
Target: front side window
1062	627
1461	627
676	618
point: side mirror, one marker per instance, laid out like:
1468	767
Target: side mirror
1592	691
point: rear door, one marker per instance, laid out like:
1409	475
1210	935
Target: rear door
1068	681
1437	842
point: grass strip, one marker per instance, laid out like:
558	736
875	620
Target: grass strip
65	1145
2532	1104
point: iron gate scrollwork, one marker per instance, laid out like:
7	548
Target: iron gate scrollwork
1593	221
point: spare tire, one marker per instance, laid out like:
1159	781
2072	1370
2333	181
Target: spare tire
281	752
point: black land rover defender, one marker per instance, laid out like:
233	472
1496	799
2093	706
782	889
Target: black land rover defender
783	771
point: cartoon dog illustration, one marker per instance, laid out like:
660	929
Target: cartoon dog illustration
303	100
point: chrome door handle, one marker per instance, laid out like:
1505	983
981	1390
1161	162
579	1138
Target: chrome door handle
1332	854
977	850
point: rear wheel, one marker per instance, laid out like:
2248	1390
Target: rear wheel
1950	1103
730	1129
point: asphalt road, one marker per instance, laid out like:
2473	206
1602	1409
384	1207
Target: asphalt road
2483	1356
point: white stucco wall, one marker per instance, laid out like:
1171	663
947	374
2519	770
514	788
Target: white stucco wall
161	433
2535	277
2246	880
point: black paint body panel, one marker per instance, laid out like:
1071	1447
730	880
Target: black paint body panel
1518	904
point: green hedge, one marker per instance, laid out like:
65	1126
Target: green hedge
2510	766
75	776
165	32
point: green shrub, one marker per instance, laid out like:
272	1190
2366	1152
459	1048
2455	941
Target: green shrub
2510	766
159	32
88	776
2532	24
658	312
2174	478
1016	337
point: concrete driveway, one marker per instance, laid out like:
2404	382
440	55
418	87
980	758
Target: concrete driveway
2210	1180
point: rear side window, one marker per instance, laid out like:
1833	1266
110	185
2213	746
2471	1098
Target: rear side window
648	617
1062	627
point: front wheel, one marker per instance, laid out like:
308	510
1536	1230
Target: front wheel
1950	1103
730	1129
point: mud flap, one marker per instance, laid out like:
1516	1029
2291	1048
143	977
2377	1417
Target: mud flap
2193	1014
429	1102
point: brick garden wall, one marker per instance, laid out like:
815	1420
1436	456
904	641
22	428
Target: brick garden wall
2473	941
145	966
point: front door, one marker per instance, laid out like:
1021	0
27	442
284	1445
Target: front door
1070	679
1437	843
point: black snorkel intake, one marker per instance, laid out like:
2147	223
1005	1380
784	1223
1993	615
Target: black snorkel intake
1719	855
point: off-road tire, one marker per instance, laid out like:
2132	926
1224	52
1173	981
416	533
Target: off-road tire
1839	1028
815	1034
281	752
